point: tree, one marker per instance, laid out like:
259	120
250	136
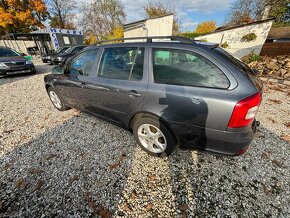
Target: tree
22	16
280	9
158	9
205	27
245	11
102	17
62	12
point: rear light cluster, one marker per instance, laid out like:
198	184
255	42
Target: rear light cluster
245	111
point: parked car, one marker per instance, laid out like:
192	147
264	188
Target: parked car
12	62
47	58
182	93
61	57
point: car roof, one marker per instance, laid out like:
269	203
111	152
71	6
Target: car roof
159	43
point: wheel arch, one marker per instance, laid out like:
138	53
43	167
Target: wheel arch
142	114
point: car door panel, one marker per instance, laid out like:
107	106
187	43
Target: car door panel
113	98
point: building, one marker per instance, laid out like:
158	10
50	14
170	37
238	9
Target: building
42	41
277	42
158	26
234	39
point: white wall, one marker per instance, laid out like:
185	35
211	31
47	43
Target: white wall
152	27
18	45
233	37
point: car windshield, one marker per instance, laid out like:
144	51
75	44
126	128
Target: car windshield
8	53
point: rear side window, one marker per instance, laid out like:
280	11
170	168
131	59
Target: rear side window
122	63
179	67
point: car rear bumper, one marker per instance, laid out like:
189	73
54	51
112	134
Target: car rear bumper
46	60
230	142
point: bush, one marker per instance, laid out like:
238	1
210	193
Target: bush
249	37
224	45
190	35
251	58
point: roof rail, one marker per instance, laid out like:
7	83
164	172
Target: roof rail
149	39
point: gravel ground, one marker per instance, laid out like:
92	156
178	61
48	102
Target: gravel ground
70	164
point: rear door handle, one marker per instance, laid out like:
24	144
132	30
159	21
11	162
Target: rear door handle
134	94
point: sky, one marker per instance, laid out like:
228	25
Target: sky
189	12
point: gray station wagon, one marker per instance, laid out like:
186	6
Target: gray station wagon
172	92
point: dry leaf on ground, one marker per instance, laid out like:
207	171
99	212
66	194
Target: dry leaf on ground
149	206
127	207
72	179
38	186
20	183
36	171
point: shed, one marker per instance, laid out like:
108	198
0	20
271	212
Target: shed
158	26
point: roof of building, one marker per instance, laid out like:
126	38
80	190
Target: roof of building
224	28
279	33
144	20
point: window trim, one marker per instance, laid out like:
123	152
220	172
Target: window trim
98	64
190	51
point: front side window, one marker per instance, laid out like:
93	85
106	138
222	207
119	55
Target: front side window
122	63
83	63
181	67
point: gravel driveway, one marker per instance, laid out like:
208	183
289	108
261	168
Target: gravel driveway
70	164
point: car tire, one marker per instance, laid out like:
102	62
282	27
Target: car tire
154	137
56	100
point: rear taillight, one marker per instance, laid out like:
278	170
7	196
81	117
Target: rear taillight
245	111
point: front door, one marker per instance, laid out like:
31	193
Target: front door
72	85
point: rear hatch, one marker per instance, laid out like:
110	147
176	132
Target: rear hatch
250	73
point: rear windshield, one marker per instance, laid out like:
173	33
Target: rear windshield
8	53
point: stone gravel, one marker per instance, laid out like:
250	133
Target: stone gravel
71	164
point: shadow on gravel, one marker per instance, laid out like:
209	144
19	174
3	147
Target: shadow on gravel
75	169
205	184
40	69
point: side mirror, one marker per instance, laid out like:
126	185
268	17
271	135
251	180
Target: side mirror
57	70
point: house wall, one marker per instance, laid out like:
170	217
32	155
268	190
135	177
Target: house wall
153	27
138	31
233	37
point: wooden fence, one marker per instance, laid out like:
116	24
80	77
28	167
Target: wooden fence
273	49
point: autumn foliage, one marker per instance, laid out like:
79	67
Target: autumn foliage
22	15
205	27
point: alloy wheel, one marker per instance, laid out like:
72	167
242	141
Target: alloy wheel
152	138
55	99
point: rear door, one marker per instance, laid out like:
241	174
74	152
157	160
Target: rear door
120	83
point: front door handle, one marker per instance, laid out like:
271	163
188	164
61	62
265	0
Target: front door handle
134	94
